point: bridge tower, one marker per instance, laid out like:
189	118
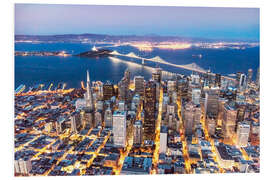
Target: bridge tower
142	61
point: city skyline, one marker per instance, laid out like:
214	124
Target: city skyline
204	22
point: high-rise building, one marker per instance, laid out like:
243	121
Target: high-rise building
108	118
191	116
127	76
211	124
242	82
137	136
139	85
88	95
163	139
182	88
119	128
150	111
123	89
250	75
171	86
211	101
108	90
196	95
75	122
218	80
258	78
242	134
229	120
156	75
121	106
195	79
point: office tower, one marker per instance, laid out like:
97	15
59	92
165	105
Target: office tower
195	79
157	75
250	74
196	95
218	80
137	136
80	103
207	78
139	85
229	120
121	106
242	82
135	102
149	124
255	133
98	118
123	86
242	134
127	76
108	90
210	124
171	108
100	105
241	113
171	86
258	78
191	115
163	139
182	88
75	122
119	128
87	117
108	118
88	95
211	101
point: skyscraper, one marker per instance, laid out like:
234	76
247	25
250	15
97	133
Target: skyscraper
156	75
88	95
242	134
242	82
108	90
250	74
119	128
196	95
163	139
137	136
229	120
211	101
139	85
191	116
150	110
258	78
108	118
218	80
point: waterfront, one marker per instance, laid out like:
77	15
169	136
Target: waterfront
35	70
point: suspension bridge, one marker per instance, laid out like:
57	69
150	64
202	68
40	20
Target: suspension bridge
192	67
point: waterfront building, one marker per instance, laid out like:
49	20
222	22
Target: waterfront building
157	75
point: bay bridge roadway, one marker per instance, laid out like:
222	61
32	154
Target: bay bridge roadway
192	67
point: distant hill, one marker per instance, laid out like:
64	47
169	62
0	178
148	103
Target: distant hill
108	38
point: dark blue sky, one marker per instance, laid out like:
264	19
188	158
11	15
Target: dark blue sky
225	23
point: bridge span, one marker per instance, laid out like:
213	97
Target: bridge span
192	67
